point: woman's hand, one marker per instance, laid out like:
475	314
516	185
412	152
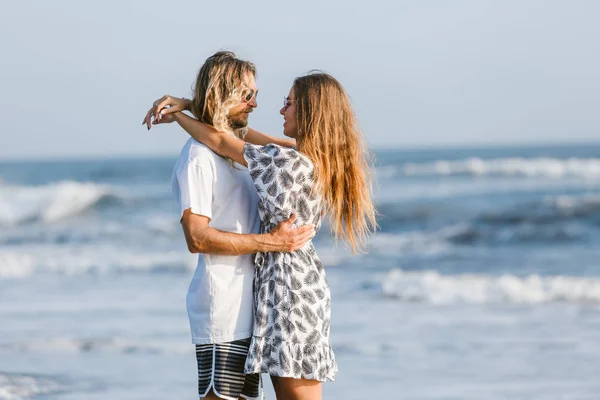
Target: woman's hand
167	118
163	107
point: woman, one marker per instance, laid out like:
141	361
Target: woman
326	171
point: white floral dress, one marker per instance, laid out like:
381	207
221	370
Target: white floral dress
291	293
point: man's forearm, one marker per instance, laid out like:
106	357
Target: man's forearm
214	241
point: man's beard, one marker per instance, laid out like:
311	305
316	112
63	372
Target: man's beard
238	122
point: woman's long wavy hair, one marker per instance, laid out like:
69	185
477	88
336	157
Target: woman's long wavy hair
329	135
219	86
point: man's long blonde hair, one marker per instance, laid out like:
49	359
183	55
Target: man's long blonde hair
329	135
219	86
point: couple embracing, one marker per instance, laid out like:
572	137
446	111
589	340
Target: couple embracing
250	204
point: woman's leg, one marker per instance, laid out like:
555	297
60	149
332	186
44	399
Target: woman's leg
211	396
297	389
275	382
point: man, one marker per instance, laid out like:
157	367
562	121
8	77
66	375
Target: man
219	216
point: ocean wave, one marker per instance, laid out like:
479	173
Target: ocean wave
551	219
73	260
83	345
586	168
435	288
52	202
452	238
415	242
547	210
22	386
159	226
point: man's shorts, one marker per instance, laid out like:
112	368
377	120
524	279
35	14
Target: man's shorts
221	368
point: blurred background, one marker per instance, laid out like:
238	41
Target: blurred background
483	281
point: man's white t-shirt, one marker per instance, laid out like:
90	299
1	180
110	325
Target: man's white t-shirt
219	300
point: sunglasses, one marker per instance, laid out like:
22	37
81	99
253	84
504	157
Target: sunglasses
286	103
249	94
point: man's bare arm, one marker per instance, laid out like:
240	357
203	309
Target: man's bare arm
201	238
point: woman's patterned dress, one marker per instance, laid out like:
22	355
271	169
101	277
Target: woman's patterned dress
291	294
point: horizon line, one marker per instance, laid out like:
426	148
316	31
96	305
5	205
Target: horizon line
374	148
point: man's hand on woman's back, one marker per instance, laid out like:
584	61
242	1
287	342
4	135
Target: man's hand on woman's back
290	237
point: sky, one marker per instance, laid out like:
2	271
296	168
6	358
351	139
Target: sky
77	77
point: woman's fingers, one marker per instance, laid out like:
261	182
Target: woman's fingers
168	110
148	119
160	105
164	118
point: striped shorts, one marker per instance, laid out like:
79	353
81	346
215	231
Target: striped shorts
221	368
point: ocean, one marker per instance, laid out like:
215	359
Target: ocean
483	281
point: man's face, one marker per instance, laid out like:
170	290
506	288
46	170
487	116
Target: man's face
238	115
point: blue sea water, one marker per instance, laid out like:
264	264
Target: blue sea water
483	281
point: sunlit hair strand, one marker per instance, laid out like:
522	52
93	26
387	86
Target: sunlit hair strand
329	135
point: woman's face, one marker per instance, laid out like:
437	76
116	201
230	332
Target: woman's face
290	124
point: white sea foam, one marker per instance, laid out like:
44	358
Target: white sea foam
574	204
16	262
48	203
166	224
386	172
20	387
435	288
111	345
15	265
586	168
395	191
386	245
549	209
425	243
